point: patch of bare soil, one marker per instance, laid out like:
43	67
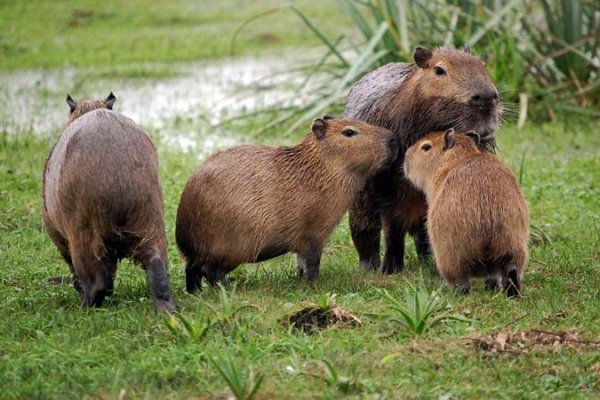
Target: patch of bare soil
526	341
312	318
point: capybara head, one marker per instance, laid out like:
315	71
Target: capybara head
426	156
78	108
355	146
453	84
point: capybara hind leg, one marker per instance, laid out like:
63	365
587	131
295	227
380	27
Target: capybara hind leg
421	239
393	261
512	281
310	254
193	276
155	264
93	278
365	228
158	280
301	265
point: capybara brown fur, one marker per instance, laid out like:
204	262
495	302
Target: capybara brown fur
444	88
103	201
477	219
252	203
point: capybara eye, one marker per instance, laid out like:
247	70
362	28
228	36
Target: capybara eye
439	71
348	132
426	147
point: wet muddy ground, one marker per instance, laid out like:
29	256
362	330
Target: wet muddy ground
183	109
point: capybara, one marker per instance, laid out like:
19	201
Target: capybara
252	203
445	88
477	219
103	201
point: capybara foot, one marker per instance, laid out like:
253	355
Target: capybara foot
492	283
513	284
392	266
165	307
463	287
370	264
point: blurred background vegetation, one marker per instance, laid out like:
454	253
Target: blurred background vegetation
543	54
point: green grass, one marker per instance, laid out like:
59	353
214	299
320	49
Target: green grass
50	34
52	348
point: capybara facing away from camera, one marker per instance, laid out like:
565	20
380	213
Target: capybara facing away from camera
252	203
477	219
444	88
103	202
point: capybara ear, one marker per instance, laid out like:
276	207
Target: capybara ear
110	100
475	136
422	57
467	48
72	103
327	117
319	127
449	139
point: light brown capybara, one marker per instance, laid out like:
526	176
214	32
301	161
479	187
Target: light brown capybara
477	220
444	88
252	203
103	202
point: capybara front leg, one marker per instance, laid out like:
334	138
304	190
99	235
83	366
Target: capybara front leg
365	228
158	280
311	256
419	234
393	262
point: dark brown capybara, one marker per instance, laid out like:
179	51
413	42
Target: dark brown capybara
477	219
103	202
445	88
252	203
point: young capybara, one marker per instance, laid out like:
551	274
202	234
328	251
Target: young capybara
252	203
477	219
103	201
445	88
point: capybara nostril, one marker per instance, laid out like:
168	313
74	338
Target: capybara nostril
485	98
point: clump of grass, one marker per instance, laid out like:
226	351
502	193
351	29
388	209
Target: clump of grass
227	315
243	382
181	327
417	312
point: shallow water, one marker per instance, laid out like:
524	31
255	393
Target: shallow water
183	110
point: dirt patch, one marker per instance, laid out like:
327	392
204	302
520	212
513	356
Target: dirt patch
312	317
525	341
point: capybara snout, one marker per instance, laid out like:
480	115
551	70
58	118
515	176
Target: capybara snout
103	201
251	203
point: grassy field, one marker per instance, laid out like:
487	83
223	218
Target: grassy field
52	348
48	34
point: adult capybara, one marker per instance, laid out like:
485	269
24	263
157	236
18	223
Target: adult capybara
252	203
103	201
477	219
445	88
